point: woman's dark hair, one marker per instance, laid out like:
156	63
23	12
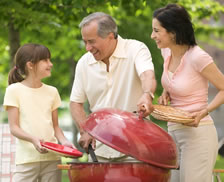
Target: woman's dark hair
175	19
28	52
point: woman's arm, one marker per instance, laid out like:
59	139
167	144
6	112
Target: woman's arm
215	76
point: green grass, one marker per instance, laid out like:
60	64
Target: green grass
65	177
220	165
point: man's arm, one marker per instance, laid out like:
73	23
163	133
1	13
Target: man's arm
148	82
79	116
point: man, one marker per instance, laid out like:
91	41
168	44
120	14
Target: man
115	72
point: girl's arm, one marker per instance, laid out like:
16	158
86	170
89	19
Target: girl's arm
13	117
215	76
58	131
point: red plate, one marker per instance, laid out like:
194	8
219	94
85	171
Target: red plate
62	150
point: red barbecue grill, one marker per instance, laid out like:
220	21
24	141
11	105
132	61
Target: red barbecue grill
134	136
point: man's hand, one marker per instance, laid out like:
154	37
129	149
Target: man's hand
145	104
85	140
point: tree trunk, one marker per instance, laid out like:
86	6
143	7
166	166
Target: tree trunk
14	40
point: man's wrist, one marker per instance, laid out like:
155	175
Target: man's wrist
150	94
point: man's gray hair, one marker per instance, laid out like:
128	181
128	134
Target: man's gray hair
106	24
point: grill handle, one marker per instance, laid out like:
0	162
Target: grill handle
92	153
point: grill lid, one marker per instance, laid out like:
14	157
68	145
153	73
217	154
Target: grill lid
130	134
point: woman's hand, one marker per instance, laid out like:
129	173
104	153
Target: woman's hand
164	98
197	117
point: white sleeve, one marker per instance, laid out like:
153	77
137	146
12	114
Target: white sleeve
78	91
143	59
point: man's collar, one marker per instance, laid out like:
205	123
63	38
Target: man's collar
119	51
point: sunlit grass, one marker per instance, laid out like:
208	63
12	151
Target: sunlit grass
220	165
65	177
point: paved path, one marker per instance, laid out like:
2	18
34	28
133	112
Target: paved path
7	154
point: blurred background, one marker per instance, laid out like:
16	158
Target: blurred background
54	23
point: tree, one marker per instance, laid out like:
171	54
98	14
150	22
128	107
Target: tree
54	23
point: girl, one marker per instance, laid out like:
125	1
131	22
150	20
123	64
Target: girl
32	114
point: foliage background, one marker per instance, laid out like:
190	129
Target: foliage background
54	23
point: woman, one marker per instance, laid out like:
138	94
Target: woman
187	71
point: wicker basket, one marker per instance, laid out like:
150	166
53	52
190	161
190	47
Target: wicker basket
170	114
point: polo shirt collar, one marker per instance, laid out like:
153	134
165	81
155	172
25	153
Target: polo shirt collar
119	51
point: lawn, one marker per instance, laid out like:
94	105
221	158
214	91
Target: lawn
220	165
65	172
